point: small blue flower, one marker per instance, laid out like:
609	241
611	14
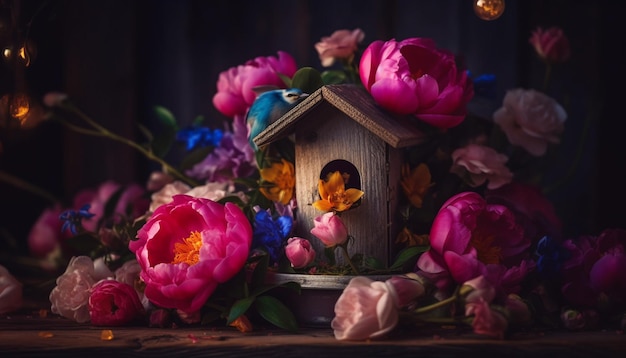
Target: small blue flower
271	233
551	257
73	218
485	85
196	137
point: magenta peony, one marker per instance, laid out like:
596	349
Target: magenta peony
330	229
469	238
188	247
235	86
366	309
414	77
595	269
114	303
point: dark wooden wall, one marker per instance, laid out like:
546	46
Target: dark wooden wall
117	59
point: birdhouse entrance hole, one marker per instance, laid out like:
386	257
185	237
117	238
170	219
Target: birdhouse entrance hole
351	176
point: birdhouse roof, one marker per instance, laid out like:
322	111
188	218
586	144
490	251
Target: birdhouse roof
357	104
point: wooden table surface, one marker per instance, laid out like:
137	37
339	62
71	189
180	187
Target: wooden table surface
29	335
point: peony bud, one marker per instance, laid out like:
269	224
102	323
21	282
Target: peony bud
330	229
299	252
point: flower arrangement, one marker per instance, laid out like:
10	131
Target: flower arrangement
482	243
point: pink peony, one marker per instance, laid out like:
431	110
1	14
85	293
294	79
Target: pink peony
70	296
132	195
342	44
482	164
487	321
533	211
235	86
530	119
11	292
188	247
414	77
45	236
366	309
114	303
330	229
550	44
595	269
469	238
299	252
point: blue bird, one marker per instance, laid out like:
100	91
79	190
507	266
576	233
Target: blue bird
268	107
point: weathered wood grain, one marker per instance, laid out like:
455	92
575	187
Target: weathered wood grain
20	336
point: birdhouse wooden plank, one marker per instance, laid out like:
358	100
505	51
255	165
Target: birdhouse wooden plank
339	127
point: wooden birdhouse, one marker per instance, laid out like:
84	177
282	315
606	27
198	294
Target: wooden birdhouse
340	127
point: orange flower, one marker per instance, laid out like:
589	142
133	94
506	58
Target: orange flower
333	194
282	179
242	323
415	183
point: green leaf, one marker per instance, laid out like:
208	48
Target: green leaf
407	256
238	308
285	79
307	79
165	116
146	132
332	77
195	156
198	121
275	312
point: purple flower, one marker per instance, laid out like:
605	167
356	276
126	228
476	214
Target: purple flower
73	218
233	158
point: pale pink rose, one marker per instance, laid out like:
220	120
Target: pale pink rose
330	229
299	252
530	119
129	273
114	303
519	312
70	296
157	180
216	191
483	164
413	76
481	290
551	44
10	292
342	44
366	309
165	194
409	288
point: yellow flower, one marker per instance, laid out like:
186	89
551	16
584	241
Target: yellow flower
282	179
415	183
333	194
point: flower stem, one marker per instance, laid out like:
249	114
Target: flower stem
20	183
344	251
103	132
436	305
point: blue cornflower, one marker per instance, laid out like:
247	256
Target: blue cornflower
551	257
271	233
196	137
72	218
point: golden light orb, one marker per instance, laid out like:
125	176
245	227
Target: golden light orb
489	9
